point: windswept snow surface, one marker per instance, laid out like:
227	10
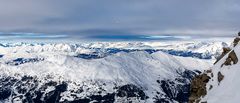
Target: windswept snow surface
53	72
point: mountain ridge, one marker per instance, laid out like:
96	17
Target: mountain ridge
122	77
59	73
217	84
207	50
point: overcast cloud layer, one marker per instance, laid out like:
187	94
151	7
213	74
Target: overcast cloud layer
91	19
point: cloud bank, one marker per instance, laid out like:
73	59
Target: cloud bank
86	19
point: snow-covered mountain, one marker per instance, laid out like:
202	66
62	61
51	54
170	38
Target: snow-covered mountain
202	50
95	72
219	84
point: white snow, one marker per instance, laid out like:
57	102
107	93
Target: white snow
194	46
119	66
139	68
227	91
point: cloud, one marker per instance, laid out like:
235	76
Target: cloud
6	36
88	18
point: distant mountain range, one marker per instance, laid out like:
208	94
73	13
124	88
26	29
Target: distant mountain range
202	50
102	72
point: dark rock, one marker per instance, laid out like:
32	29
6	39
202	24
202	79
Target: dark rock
20	61
198	87
225	51
175	92
81	101
54	96
232	57
51	83
210	87
131	91
88	56
25	78
4	93
162	101
235	41
101	53
220	77
37	99
33	91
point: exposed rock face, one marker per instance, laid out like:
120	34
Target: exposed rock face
177	90
220	77
198	84
198	87
236	40
130	90
232	58
225	51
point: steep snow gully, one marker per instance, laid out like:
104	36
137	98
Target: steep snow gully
83	73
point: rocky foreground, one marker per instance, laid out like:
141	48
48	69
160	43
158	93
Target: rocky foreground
220	83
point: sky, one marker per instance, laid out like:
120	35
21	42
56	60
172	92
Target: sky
118	19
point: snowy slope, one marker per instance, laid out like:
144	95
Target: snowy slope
224	81
37	73
226	90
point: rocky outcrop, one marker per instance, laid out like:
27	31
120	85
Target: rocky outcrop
220	77
232	58
198	87
175	90
236	40
225	51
